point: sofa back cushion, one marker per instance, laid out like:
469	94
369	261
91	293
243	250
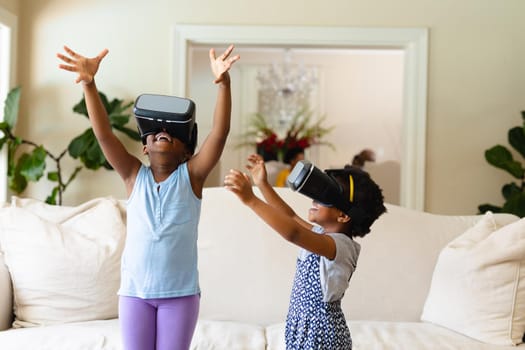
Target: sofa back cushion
64	262
478	286
246	269
397	259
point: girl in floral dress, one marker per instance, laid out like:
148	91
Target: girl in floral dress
329	253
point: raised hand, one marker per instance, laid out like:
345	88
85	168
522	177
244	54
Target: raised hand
86	68
257	169
239	183
220	65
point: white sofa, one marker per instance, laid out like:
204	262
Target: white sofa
246	271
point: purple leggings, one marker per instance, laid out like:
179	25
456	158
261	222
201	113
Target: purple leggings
161	324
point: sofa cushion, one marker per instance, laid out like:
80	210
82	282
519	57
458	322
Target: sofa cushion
105	334
478	285
380	335
224	335
399	256
239	255
89	335
64	261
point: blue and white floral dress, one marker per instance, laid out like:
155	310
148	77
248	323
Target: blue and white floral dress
315	319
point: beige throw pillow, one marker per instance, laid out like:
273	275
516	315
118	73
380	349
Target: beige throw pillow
64	261
478	285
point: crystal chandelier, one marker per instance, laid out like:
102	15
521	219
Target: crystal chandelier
284	90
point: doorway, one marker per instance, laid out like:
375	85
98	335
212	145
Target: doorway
411	44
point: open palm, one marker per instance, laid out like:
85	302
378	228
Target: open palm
257	168
86	68
222	63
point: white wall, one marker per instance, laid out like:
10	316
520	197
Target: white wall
12	6
475	91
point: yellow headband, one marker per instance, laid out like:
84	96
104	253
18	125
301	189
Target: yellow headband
351	181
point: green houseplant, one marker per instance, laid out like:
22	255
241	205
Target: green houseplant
500	157
24	167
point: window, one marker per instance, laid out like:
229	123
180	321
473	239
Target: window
8	32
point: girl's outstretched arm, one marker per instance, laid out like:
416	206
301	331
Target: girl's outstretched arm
203	162
260	179
124	163
291	230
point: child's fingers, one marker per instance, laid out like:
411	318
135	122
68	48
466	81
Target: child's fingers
226	53
224	56
231	185
67	67
234	59
102	54
246	177
65	58
70	52
212	54
228	50
256	156
234	177
237	178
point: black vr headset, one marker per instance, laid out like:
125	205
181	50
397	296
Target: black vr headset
320	186
176	115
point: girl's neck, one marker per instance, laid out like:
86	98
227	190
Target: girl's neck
162	171
335	227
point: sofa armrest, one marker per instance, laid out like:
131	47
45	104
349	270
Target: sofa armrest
6	296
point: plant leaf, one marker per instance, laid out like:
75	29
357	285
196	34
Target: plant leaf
118	119
4	126
52	176
510	190
114	106
93	158
515	204
17	183
124	107
129	132
32	165
81	107
11	107
500	157
81	143
517	139
51	199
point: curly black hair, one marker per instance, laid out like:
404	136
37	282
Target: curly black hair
367	203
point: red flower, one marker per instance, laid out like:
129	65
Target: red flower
303	143
300	134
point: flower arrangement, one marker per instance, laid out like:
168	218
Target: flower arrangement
301	134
